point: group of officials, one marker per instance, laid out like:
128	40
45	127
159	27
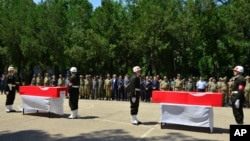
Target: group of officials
136	88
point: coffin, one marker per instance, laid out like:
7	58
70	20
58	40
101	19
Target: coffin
191	98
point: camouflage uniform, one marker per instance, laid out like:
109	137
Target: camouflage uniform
81	89
164	84
178	83
46	80
87	87
224	91
247	91
108	87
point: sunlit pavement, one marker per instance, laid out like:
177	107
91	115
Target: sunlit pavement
107	120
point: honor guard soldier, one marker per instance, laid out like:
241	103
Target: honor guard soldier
74	85
238	97
134	94
10	89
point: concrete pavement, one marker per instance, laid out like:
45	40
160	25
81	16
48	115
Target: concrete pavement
107	120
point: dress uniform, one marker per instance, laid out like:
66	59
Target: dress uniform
237	96
10	89
74	84
134	94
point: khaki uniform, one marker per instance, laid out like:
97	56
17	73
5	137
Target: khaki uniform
178	85
213	87
224	91
46	81
39	81
164	85
81	89
107	87
60	82
247	92
86	88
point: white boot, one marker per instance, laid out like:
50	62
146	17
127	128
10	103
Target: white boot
139	122
133	120
73	114
7	108
76	113
11	108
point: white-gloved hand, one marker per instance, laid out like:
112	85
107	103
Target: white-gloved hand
10	87
237	103
133	99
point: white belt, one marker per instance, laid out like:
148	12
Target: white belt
234	92
137	89
75	86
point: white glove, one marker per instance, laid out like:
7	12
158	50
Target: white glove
237	103
133	99
10	87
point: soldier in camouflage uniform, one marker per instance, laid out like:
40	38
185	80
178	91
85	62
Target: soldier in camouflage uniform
39	80
108	87
87	87
81	89
230	86
247	91
46	80
224	91
213	86
33	80
210	81
190	87
60	81
100	88
178	83
164	84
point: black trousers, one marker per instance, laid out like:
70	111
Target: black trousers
238	112
11	97
134	105
73	98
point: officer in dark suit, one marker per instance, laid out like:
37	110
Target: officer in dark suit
74	85
134	94
237	96
10	89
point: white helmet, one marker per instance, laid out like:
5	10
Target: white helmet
73	69
136	68
10	68
239	69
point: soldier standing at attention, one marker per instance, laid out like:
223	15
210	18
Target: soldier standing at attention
134	94
46	79
10	89
178	83
60	80
108	87
39	80
74	84
165	85
238	97
100	88
247	91
33	80
224	91
81	87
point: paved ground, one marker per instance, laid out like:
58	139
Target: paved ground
107	120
